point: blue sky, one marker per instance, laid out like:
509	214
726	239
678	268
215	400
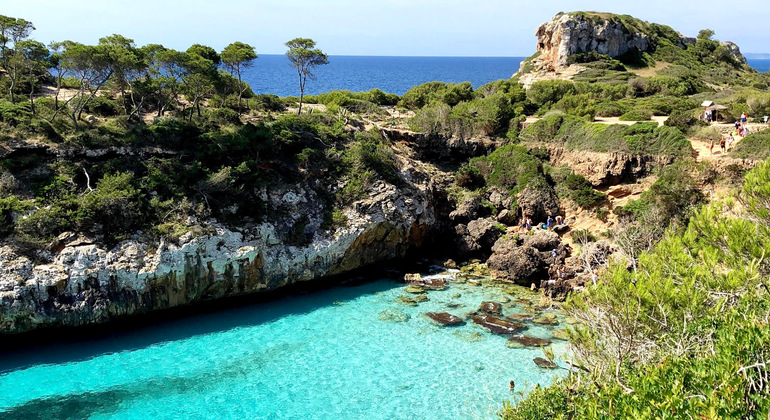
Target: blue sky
360	27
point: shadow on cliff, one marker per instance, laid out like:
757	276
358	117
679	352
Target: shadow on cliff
67	345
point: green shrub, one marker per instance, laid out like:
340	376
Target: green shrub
755	146
469	176
610	109
267	102
432	92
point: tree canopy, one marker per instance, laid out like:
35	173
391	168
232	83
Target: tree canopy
304	57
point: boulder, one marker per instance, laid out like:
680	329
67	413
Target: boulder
500	198
444	319
497	325
492	308
542	240
517	264
507	217
478	236
520	341
468	210
538	202
544	363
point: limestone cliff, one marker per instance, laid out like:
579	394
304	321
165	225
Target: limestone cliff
567	35
86	283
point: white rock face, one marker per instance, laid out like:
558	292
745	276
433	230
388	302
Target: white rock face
572	34
85	283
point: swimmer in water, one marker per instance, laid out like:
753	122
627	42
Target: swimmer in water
512	385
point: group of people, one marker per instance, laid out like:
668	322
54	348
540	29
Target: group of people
526	223
728	140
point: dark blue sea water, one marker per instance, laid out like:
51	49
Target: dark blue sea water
273	74
760	65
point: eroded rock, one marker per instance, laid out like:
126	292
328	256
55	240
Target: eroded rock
444	319
497	325
521	341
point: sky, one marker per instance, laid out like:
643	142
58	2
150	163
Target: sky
480	28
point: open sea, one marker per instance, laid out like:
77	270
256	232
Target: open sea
348	352
273	74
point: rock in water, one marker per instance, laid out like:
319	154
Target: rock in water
545	364
560	335
470	336
497	325
414	289
492	308
444	319
413	278
394	315
546	319
519	341
520	317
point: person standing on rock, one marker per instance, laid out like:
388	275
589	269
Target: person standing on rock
722	144
711	148
549	222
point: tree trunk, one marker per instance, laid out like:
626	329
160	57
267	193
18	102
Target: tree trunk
31	92
301	91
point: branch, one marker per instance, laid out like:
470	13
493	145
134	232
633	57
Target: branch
88	181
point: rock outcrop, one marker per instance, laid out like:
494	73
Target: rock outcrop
524	261
601	169
570	34
86	283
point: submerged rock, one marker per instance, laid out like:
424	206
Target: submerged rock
520	317
544	363
406	300
421	298
520	341
444	319
560	334
497	325
470	336
393	315
492	308
546	319
414	289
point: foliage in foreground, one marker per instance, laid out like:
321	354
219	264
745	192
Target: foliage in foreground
684	336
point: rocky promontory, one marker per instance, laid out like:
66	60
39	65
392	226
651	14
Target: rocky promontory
569	40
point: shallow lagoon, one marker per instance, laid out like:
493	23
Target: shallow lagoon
345	352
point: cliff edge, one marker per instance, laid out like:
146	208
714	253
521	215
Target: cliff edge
567	43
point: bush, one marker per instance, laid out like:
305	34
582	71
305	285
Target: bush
611	109
636	115
683	120
267	102
436	92
755	146
469	176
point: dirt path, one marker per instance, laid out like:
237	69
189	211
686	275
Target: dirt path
605	120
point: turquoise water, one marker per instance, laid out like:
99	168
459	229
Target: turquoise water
322	355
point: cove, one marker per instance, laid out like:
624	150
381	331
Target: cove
344	352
